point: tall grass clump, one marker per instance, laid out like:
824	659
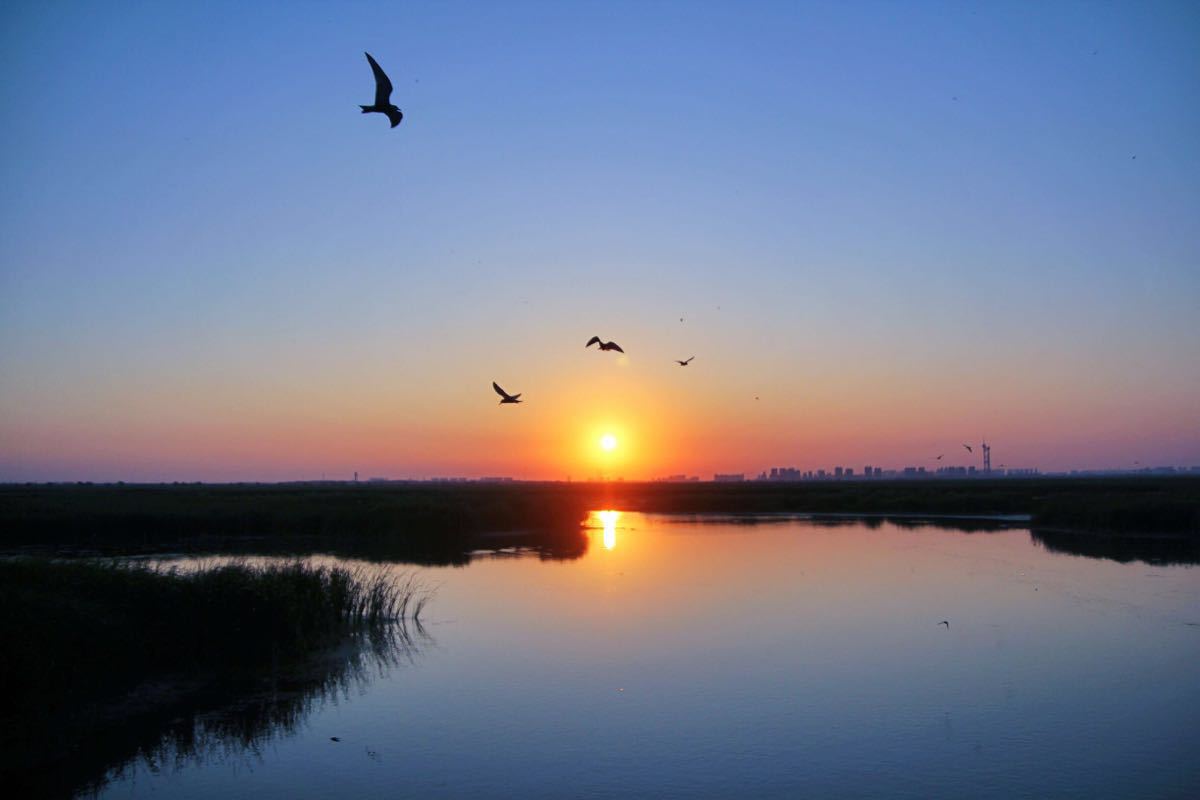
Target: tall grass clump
82	629
105	663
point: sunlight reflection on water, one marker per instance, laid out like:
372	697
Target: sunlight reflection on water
609	519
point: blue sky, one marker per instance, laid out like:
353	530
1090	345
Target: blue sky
905	199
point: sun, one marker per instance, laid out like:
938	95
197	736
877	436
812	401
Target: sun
608	442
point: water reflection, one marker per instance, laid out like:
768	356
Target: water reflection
1165	549
728	659
609	520
1157	550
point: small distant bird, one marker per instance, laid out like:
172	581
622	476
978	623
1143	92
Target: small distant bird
1134	158
939	458
604	345
383	95
945	622
334	739
505	397
684	363
969	450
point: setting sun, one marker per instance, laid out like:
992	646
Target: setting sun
608	442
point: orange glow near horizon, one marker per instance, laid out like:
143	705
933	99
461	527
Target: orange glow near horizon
249	427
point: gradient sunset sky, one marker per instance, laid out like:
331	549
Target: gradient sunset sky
902	226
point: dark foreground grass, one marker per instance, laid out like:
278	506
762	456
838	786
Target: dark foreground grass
74	631
102	660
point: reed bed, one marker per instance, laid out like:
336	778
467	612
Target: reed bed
83	629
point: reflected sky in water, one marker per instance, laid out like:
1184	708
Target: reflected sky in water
681	658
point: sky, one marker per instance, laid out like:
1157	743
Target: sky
888	228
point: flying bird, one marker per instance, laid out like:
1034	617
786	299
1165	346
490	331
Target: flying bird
683	363
505	397
604	345
939	458
945	622
383	95
334	739
969	450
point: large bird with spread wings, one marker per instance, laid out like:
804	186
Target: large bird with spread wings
505	397
604	345
383	95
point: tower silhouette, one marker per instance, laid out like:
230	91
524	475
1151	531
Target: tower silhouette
987	457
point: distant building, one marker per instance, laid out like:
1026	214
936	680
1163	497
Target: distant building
867	471
729	477
849	472
837	472
784	474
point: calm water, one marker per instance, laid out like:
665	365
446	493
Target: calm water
681	658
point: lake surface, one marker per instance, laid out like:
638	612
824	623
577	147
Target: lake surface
708	657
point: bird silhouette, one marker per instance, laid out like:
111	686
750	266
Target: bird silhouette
939	458
505	397
604	345
683	363
334	739
945	622
969	450
383	95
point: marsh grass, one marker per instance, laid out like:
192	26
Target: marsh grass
106	663
443	524
78	629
